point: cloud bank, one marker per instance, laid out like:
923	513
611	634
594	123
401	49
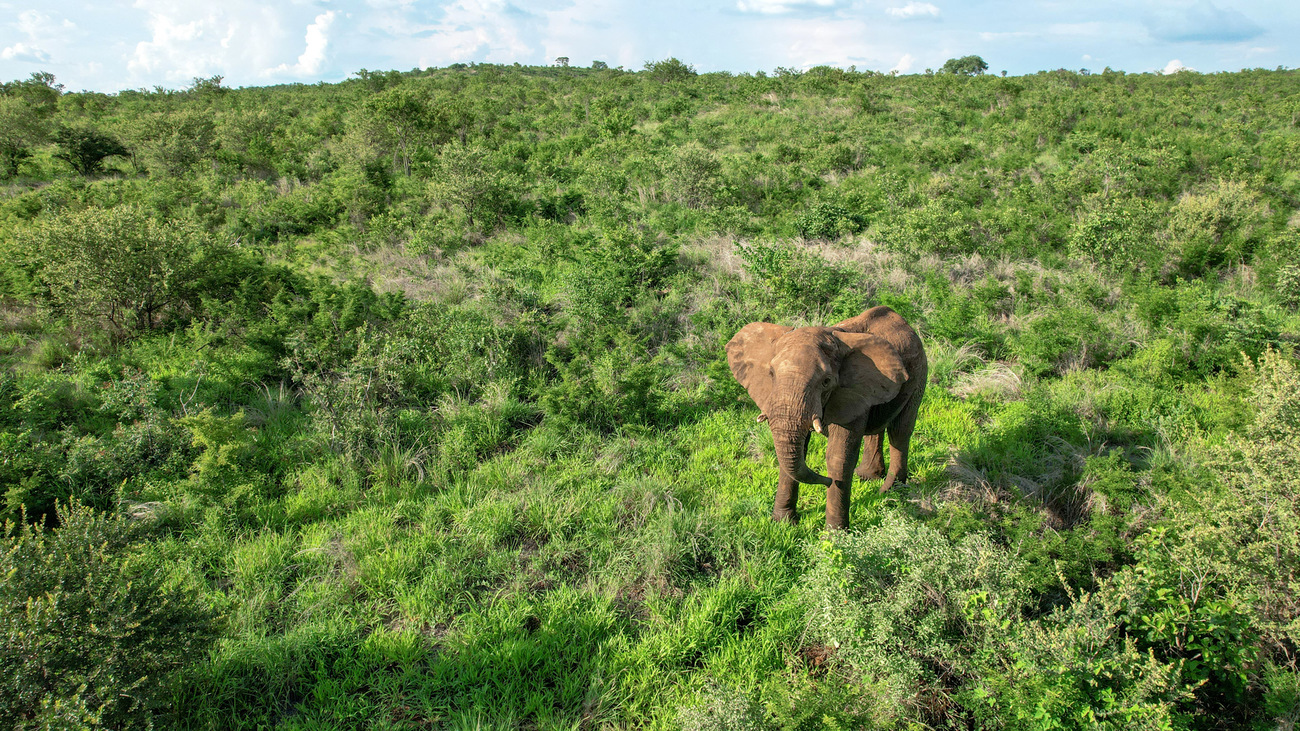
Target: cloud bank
776	7
313	56
914	10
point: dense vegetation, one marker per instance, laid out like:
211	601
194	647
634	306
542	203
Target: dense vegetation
401	402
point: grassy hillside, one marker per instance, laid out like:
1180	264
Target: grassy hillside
402	402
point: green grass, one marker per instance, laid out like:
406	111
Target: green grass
429	474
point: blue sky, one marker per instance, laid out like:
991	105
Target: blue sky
108	46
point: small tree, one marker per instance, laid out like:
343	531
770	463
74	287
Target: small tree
85	148
21	128
25	107
669	69
210	86
118	266
400	120
175	142
965	66
468	178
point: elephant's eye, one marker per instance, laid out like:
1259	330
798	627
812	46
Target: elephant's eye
827	382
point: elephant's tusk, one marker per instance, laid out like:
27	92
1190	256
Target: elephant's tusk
761	418
819	426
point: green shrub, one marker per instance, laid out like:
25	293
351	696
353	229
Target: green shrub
694	173
1112	233
1288	285
793	280
725	709
670	69
614	271
909	610
91	634
1061	339
175	142
119	267
470	178
606	380
939	628
828	221
1077	668
29	475
1218	225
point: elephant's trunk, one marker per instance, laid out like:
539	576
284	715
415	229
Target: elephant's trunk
790	432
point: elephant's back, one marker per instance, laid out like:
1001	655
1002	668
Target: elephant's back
888	325
885	323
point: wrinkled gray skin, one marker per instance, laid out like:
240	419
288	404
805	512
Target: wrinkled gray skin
850	382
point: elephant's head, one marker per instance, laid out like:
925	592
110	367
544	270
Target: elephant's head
804	378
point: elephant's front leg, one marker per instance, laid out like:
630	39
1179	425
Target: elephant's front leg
841	457
786	507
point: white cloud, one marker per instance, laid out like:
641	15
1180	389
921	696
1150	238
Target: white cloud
773	7
313	56
1175	66
24	52
32	23
1007	36
904	64
40	30
469	30
238	39
914	10
807	42
599	30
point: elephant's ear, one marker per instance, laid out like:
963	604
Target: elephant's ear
749	354
871	373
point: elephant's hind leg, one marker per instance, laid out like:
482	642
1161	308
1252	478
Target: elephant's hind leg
873	458
900	443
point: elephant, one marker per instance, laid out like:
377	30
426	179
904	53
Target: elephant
850	382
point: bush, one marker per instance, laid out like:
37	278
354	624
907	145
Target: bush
693	173
965	66
120	267
90	633
470	178
1077	668
1288	286
1113	234
828	221
606	380
84	148
614	271
909	610
669	69
793	280
1062	339
939	627
725	709
1216	226
174	143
